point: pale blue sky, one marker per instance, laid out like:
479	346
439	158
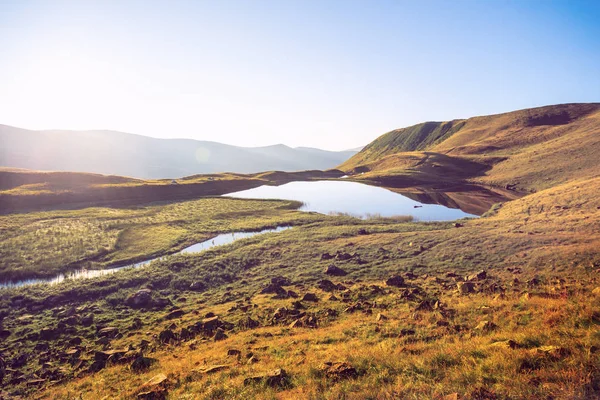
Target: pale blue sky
329	74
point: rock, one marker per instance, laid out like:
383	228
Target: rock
280	281
458	225
381	317
465	287
292	294
140	299
248	323
219	335
213	368
506	344
211	323
328	286
175	314
4	334
275	378
142	363
156	388
277	290
481	275
49	334
310	297
87	320
486	326
596	291
167	336
253	360
197	286
554	352
333	270
362	231
234	353
338	370
326	256
332	298
396	281
343	256
108	332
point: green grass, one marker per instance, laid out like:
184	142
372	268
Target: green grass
45	243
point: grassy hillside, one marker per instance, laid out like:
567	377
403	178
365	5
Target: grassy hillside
506	306
534	149
525	328
118	153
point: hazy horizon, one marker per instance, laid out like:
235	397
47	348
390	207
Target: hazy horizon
331	75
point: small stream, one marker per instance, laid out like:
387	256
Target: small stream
219	240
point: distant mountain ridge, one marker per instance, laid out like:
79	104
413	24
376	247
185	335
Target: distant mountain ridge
119	153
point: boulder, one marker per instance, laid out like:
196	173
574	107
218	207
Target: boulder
333	270
142	363
175	314
197	286
275	378
219	335
481	275
310	297
140	299
465	287
326	256
328	286
338	370
211	323
396	281
108	332
485	326
280	281
167	336
234	353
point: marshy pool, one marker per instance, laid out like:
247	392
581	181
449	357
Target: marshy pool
357	199
219	240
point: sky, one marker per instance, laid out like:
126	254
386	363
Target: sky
319	73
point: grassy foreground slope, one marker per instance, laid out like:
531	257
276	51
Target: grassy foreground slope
535	149
506	306
527	327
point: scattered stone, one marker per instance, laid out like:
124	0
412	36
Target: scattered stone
214	368
142	363
234	353
275	378
108	332
507	344
155	389
338	370
310	297
328	286
175	314
481	275
333	270
211	323
465	287
457	225
280	281
140	299
167	336
395	281
253	360
381	317
197	286
486	326
219	335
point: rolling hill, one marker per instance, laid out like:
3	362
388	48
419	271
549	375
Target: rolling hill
118	153
533	149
